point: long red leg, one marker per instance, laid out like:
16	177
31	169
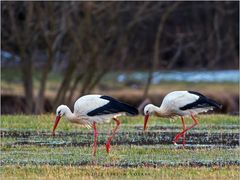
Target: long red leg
184	135
113	133
181	133
95	139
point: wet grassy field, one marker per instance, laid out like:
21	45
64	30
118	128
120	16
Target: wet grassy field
28	150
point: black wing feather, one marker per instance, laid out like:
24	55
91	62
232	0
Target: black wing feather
202	102
113	106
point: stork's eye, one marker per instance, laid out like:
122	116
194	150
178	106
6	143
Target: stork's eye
147	112
59	112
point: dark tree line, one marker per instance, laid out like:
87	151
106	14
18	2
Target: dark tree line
98	37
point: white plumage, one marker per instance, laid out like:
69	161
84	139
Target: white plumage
173	101
88	103
92	109
181	103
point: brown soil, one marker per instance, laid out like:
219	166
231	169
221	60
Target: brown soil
14	104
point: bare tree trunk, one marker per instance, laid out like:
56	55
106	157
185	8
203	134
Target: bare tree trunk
157	47
147	86
40	98
87	80
218	41
60	97
96	81
27	72
23	42
73	88
53	43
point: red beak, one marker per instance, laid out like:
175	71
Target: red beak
145	121
55	124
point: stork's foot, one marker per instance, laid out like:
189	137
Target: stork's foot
177	137
175	143
108	147
183	145
94	150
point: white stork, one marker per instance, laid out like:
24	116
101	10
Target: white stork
181	103
92	109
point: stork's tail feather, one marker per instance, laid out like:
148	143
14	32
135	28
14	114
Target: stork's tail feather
214	103
130	110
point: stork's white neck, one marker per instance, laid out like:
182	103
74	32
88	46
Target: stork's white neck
69	115
159	111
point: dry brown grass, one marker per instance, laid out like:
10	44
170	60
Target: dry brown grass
225	93
96	172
